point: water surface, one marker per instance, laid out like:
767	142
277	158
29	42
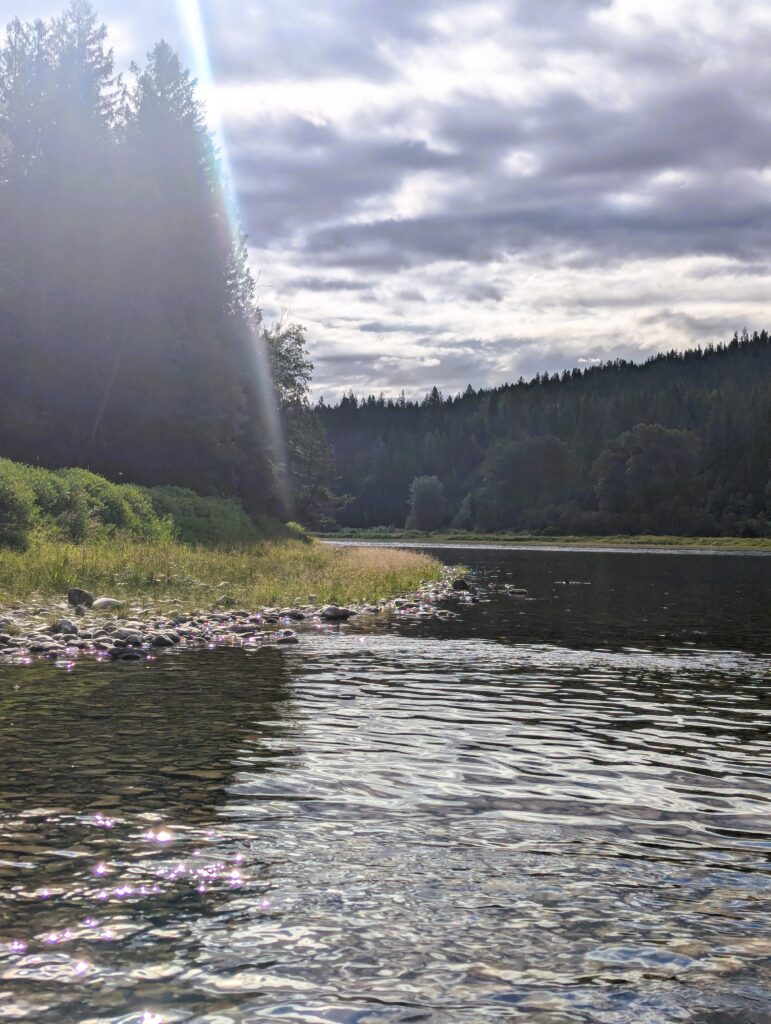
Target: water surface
555	810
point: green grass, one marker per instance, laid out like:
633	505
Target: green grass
266	573
618	540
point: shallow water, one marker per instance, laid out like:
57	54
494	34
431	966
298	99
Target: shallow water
557	809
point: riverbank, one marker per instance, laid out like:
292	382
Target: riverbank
190	577
132	600
619	541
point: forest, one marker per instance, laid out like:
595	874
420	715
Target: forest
131	342
680	444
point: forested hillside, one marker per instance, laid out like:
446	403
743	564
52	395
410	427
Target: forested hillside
680	444
130	339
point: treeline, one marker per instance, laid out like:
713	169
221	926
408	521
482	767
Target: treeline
680	444
131	342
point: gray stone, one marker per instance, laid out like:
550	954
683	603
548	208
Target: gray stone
130	655
66	627
131	636
286	636
105	603
333	613
161	640
41	645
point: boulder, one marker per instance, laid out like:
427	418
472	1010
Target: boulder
76	597
333	613
106	603
286	636
292	613
161	640
460	584
66	627
131	654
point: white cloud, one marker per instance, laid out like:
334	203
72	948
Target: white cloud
458	192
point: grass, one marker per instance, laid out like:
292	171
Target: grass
262	574
618	540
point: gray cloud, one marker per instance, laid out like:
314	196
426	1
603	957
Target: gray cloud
330	284
493	189
294	174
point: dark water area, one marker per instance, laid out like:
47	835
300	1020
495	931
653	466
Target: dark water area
556	809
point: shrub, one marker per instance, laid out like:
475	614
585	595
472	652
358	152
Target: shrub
17	506
61	503
198	520
76	505
116	507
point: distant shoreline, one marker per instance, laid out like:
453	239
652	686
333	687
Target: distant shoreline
645	541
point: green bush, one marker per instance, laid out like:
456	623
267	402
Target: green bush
197	520
76	505
17	506
61	503
116	507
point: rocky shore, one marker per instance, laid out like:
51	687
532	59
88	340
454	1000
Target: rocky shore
106	629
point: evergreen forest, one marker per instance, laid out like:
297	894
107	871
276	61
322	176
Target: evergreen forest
678	445
131	342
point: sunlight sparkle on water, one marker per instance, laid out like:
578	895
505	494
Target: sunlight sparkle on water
161	836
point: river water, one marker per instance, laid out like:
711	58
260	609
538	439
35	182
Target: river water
555	809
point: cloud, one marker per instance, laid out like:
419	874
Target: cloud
329	284
455	191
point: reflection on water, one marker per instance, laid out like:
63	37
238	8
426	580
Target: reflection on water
557	809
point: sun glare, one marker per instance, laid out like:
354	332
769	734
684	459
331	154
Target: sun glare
194	28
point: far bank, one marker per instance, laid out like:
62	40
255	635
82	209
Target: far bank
616	541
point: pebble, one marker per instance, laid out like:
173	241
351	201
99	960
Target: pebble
42	632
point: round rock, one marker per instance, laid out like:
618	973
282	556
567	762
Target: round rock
333	613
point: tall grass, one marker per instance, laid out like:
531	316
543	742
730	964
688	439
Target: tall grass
265	573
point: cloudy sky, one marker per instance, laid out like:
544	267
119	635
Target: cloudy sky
451	192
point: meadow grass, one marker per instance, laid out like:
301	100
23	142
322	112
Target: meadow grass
619	540
266	573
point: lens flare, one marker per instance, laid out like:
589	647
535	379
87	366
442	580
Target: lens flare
194	27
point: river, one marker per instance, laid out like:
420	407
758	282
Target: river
555	809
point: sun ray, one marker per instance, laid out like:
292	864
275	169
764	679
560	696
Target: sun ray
194	28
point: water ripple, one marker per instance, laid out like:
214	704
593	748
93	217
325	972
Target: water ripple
438	824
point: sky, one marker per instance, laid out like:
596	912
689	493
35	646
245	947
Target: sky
450	193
